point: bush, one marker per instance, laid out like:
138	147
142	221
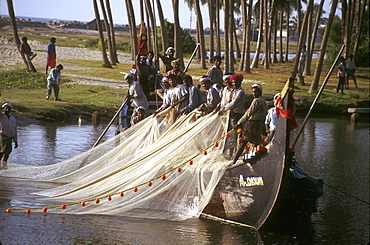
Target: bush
22	80
125	47
92	43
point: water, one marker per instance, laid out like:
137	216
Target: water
331	149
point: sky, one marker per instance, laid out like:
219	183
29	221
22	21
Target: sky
82	10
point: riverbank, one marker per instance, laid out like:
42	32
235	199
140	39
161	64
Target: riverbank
88	87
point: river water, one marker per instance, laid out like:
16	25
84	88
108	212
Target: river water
332	149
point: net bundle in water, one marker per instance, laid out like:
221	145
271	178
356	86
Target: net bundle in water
171	166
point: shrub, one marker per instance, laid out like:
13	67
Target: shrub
92	43
125	47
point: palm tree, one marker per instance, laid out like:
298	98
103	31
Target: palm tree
211	9
15	34
101	36
163	28
361	10
107	28
201	34
320	60
260	35
311	45
133	31
226	36
177	31
266	34
113	51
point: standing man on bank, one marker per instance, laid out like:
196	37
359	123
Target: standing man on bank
51	58
53	82
8	134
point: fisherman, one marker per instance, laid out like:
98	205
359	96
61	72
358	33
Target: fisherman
271	120
176	70
215	73
138	116
255	118
135	93
8	134
195	97
233	98
166	96
213	98
143	73
168	57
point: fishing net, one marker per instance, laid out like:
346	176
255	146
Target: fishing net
162	164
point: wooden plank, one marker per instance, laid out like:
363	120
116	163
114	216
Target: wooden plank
358	110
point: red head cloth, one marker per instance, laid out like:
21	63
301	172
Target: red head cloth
237	78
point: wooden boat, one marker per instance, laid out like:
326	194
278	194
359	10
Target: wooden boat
263	190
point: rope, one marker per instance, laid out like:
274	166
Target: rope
211	217
345	193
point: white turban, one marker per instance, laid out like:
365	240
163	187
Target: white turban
128	75
226	77
6	104
257	86
205	79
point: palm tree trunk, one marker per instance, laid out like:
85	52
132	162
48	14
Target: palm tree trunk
320	60
287	36
314	33
177	32
113	52
108	30
226	36
163	27
265	38
217	27
201	34
359	27
211	30
259	41
133	31
281	58
238	53
231	35
15	34
153	28
101	36
307	68
247	55
244	26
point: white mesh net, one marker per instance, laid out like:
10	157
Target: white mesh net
153	156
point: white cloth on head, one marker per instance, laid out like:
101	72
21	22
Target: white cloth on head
138	96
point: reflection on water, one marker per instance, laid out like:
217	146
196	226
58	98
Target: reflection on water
331	149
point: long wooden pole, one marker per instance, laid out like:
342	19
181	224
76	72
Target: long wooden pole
318	94
191	58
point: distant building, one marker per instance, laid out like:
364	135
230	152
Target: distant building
93	26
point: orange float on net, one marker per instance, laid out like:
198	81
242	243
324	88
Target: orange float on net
8	210
163	177
83	204
246	147
227	135
97	200
45	209
121	194
64	206
150	183
28	211
179	169
109	198
136	189
191	162
205	153
216	144
240	140
239	131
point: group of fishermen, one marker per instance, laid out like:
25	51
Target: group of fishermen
223	94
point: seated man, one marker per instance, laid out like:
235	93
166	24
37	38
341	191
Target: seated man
213	98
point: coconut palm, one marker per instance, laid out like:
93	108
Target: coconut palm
113	51
177	31
359	23
260	30
101	36
163	27
200	29
132	24
320	60
107	28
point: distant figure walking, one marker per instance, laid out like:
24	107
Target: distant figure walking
53	82
28	54
341	74
302	63
8	134
350	70
51	58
